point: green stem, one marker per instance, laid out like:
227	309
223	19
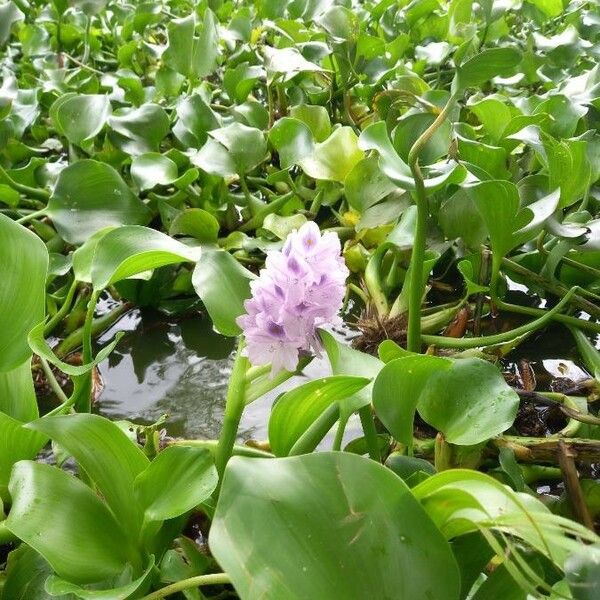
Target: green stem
238	449
368	425
31	216
557	289
62	312
98	326
311	438
36	193
58	391
418	253
538	312
500	338
234	407
339	435
186	584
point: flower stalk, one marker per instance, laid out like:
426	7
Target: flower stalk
418	253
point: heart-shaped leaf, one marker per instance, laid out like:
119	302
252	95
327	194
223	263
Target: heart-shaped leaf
89	196
328	521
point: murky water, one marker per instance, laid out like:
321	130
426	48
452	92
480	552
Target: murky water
180	368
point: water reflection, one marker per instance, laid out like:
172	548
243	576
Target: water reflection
181	368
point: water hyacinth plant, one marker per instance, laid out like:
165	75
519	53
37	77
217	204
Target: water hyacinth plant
299	299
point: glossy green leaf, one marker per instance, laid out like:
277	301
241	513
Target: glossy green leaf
397	389
365	185
90	196
85	543
292	139
60	587
192	55
107	456
16	443
223	285
196	222
297	409
139	130
469	402
582	570
286	63
461	501
316	117
246	146
38	343
334	158
80	117
176	481
345	360
131	250
492	62
151	169
375	137
26	575
328	521
22	290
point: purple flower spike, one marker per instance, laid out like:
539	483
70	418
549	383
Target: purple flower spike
300	289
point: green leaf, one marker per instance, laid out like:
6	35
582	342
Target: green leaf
316	117
397	389
151	169
490	63
59	587
198	223
22	290
461	501
131	250
223	285
287	63
108	457
246	146
16	443
192	55
9	14
297	409
139	130
176	481
17	394
90	196
328	521
375	137
63	519
345	360
37	342
334	158
365	185
80	117
26	575
551	8
293	141
582	570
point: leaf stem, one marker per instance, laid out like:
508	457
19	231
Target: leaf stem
557	289
51	379
368	425
319	428
234	407
38	194
418	252
62	311
31	216
186	584
500	338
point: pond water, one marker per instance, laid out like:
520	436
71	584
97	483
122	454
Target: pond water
180	367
